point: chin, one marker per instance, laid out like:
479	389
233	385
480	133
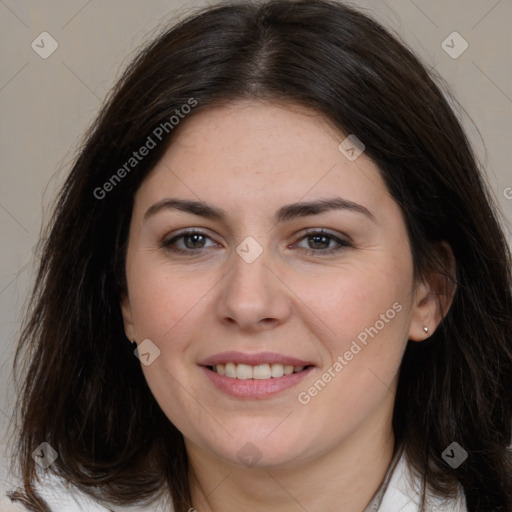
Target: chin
260	451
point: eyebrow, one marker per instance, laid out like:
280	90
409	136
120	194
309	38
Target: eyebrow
285	213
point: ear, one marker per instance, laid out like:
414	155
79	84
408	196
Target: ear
434	294
126	311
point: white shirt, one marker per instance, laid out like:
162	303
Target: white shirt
399	491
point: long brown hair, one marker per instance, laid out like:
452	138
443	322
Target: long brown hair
83	390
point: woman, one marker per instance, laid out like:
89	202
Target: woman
315	285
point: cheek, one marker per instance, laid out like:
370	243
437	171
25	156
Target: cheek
372	322
367	315
351	300
167	307
163	299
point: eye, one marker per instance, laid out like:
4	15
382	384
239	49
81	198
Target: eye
318	242
321	242
188	242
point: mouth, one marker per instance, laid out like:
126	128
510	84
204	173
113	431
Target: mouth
262	371
254	376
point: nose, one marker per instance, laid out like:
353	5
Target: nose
254	297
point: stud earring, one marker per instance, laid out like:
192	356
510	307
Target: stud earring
425	328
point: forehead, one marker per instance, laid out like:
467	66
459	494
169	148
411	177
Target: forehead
263	152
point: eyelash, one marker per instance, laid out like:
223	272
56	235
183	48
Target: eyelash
342	244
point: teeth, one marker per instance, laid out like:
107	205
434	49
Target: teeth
230	370
243	371
258	372
277	370
261	372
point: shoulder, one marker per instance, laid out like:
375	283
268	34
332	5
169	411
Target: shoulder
61	496
6	505
404	491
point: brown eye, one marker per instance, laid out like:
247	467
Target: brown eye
188	242
194	241
321	243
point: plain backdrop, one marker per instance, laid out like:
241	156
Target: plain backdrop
47	103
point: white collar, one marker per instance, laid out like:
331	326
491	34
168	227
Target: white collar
400	490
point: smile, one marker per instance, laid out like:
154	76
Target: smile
259	372
254	376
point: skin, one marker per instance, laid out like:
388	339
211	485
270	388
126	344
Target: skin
251	158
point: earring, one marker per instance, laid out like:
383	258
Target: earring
425	328
133	344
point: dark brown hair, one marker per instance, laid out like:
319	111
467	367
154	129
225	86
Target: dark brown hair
83	390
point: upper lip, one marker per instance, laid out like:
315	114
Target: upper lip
253	359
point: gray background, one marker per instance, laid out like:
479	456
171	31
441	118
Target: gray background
47	103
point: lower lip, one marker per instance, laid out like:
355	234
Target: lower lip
255	388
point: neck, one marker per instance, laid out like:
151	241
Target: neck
345	478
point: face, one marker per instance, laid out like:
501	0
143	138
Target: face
272	279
